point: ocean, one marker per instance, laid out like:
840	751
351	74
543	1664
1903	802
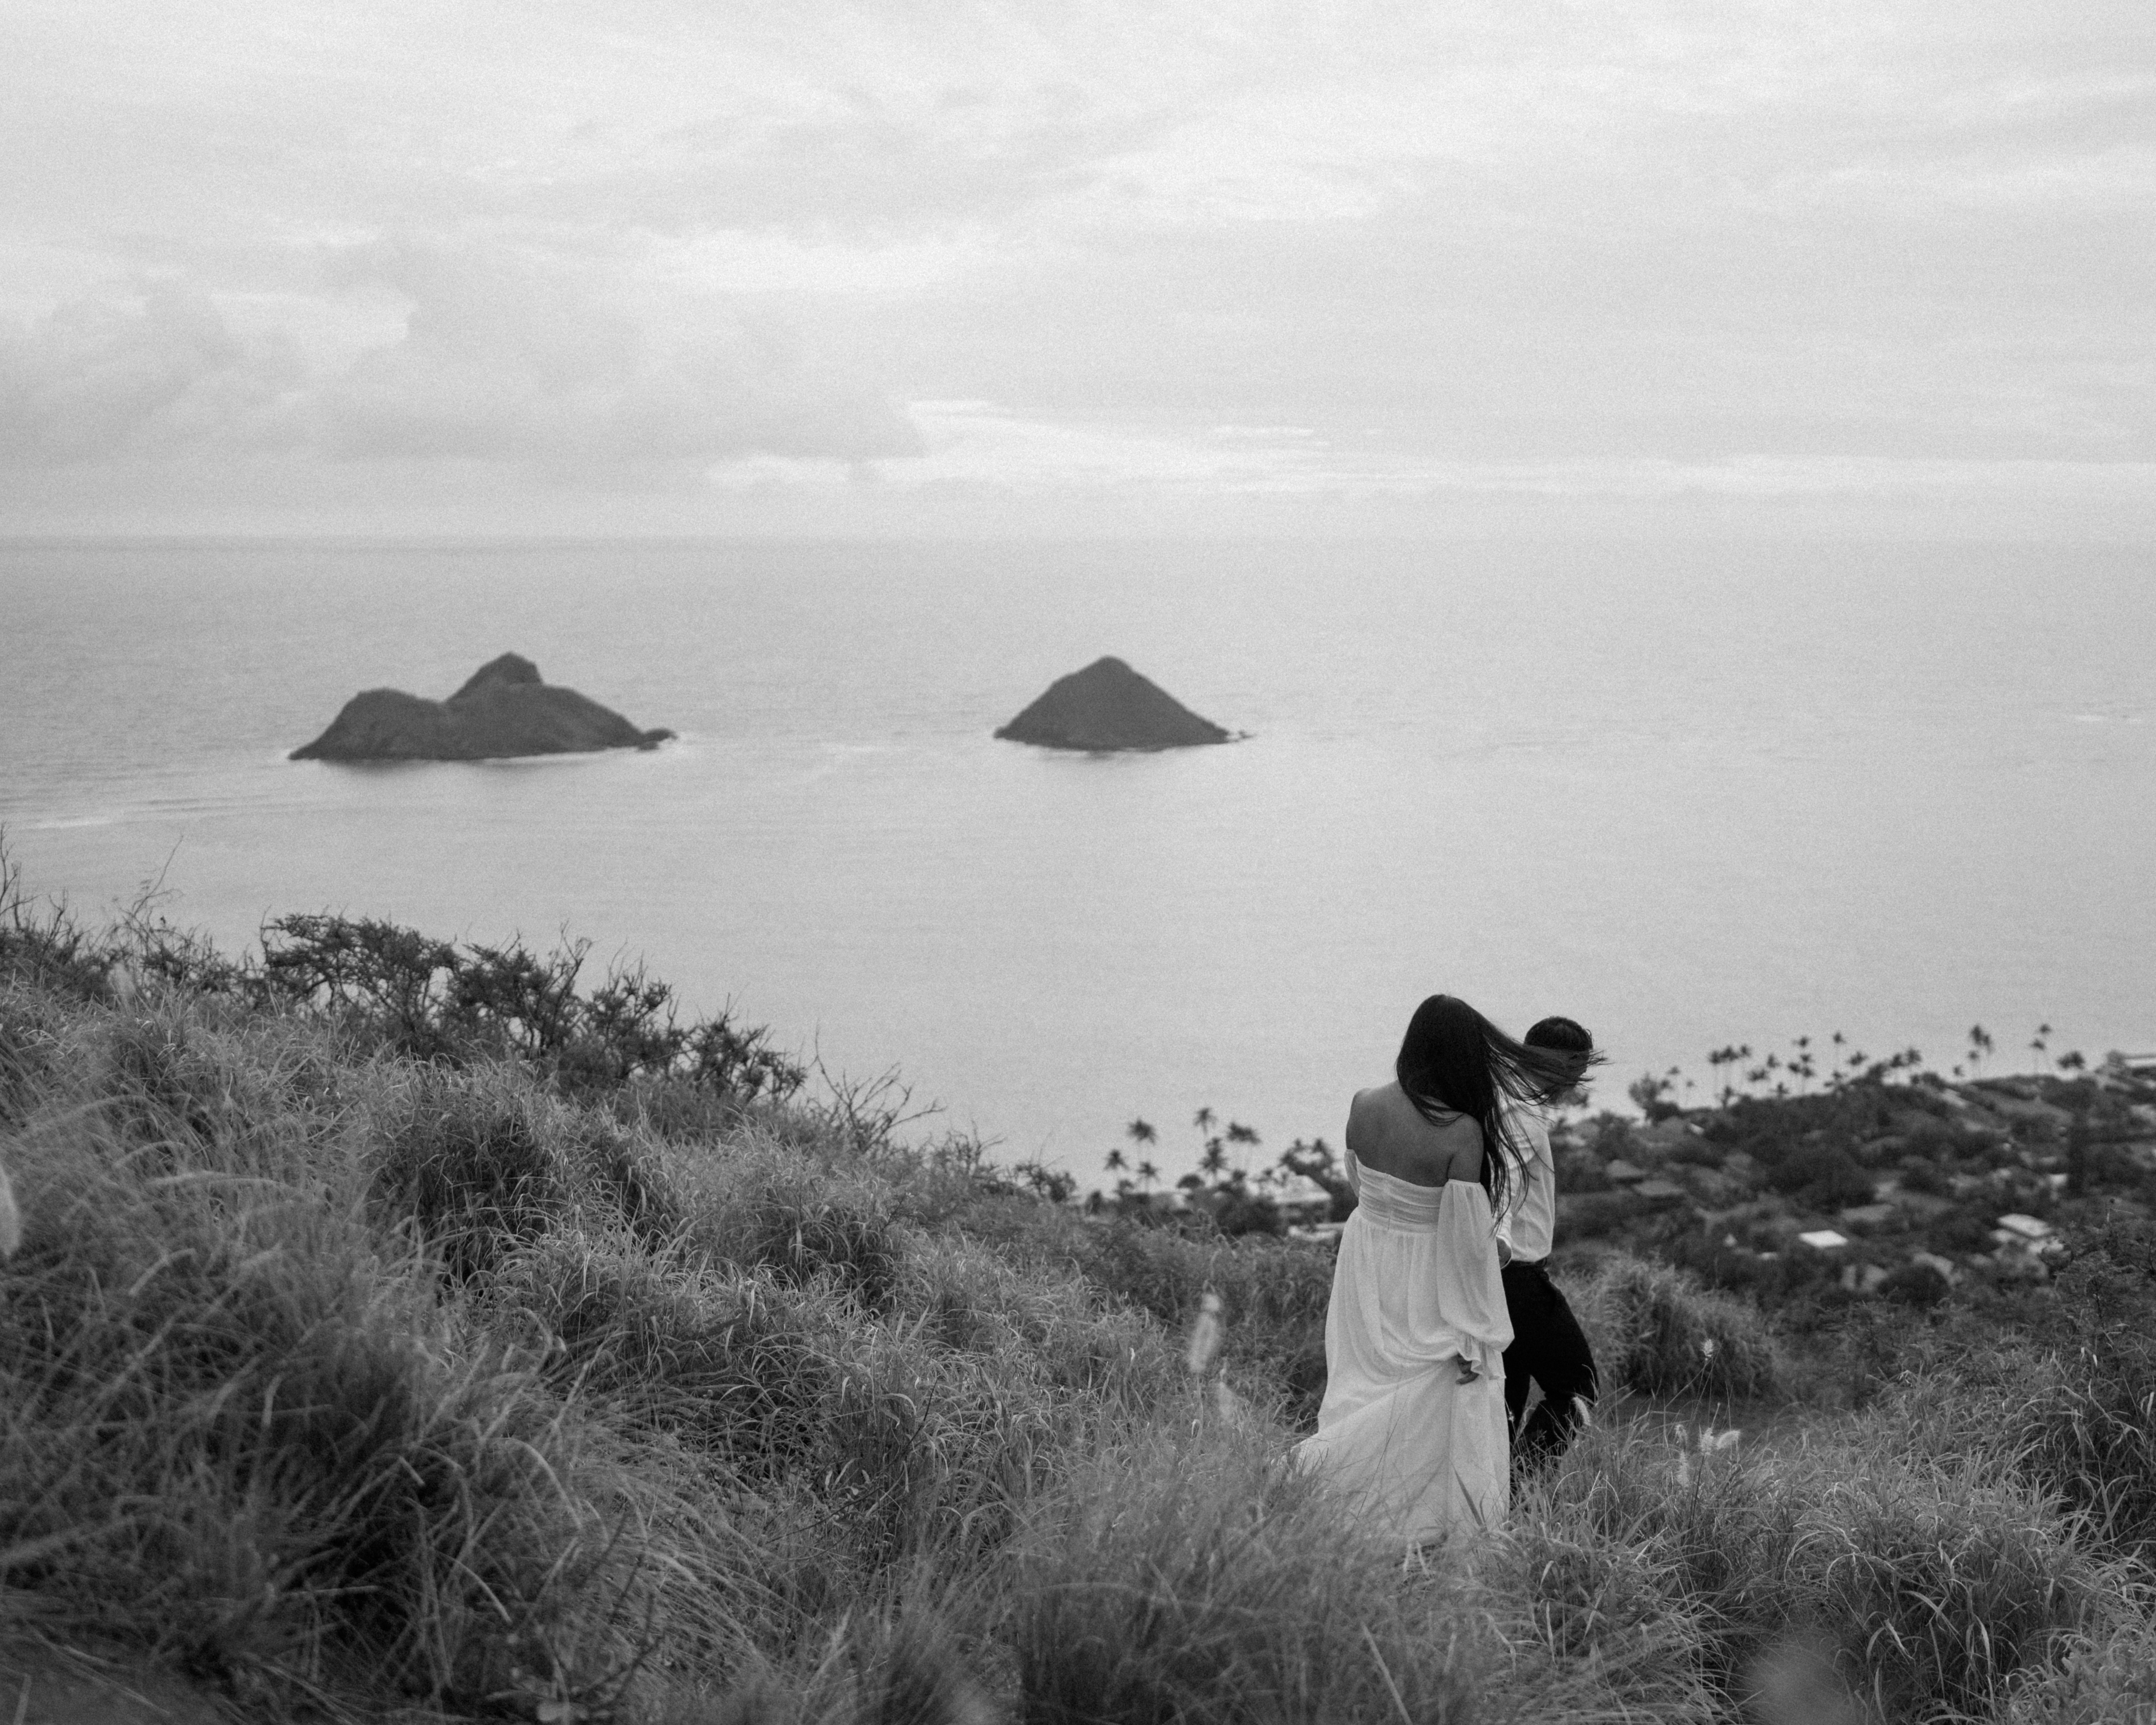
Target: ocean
1691	795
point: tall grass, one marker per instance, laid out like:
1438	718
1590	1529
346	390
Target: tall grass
1935	1587
229	1422
1170	1581
1654	1329
348	1380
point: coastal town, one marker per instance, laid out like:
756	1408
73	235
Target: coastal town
1890	1180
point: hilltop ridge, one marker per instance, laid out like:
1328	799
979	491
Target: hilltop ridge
402	1326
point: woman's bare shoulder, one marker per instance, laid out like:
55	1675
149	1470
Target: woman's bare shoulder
1366	1109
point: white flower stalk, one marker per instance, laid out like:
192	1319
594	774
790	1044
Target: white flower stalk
1205	1335
11	1219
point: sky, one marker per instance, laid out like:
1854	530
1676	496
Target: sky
1881	268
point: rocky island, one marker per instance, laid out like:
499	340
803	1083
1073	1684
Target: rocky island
1108	706
505	709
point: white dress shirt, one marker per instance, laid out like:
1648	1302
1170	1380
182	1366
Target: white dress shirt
1530	1218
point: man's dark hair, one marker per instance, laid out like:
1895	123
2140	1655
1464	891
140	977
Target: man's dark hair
1566	1035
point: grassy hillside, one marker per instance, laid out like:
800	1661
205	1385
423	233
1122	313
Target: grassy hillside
408	1331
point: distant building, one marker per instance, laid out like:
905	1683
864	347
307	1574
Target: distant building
1621	1171
1823	1239
2027	1236
1299	1198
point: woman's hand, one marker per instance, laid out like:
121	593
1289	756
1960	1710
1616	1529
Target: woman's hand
1467	1372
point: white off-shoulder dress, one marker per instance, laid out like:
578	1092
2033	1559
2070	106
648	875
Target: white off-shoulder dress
1414	1449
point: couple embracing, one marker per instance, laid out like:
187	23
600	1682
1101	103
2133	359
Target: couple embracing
1443	1314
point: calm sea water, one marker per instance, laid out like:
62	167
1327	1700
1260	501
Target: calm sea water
1688	796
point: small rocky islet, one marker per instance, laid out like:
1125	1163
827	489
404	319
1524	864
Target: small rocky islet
505	709
1108	706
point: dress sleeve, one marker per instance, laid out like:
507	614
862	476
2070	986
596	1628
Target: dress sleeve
1470	1293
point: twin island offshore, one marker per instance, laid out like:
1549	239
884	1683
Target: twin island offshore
506	709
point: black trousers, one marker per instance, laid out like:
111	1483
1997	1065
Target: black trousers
1549	1349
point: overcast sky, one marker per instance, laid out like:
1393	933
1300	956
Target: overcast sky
1882	267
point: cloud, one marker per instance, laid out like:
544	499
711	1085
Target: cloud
507	362
499	362
981	445
1617	251
95	381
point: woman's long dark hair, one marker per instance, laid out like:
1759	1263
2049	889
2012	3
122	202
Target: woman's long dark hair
1453	1060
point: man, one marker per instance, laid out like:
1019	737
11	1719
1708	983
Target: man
1548	1348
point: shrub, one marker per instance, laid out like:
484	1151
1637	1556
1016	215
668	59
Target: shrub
1046	1320
1916	1285
1656	1330
167	1086
623	1172
434	999
1962	1231
1825	1176
733	1365
1274	1294
760	1208
471	1166
45	948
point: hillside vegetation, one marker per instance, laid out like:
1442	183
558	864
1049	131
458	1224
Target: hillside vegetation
405	1330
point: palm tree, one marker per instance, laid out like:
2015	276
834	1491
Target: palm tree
1147	1173
1203	1120
1140	1132
1214	1161
1115	1160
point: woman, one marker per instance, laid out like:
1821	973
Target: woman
1413	1423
